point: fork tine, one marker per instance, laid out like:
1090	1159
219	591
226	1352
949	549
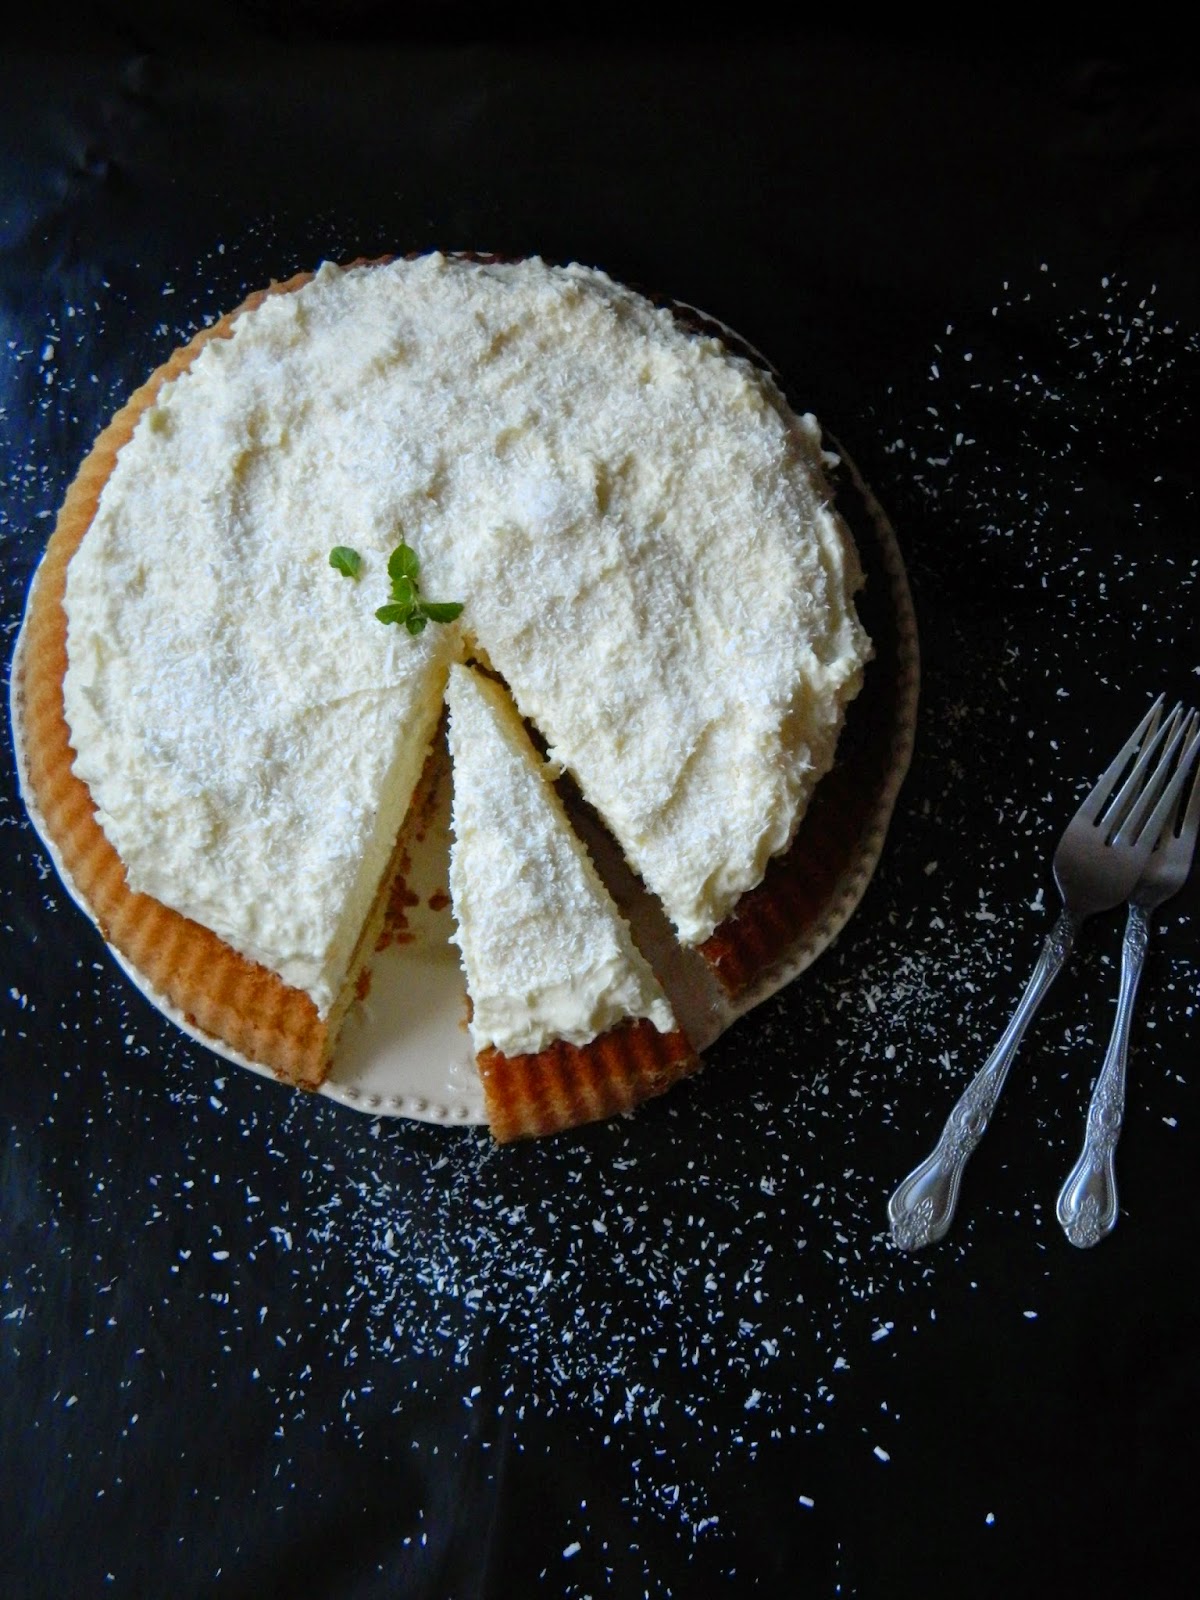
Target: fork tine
1135	782
1129	811
1143	787
1191	819
1132	831
1090	809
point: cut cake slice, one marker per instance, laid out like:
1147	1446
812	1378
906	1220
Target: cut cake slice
568	1021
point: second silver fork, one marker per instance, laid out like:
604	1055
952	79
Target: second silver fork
1099	859
1087	1204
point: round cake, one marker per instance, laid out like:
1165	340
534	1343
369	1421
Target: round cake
239	643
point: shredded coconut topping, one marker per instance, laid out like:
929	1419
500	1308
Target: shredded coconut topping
640	531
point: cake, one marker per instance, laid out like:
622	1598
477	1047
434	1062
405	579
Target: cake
637	534
551	967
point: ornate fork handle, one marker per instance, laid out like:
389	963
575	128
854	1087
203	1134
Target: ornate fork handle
922	1208
1087	1202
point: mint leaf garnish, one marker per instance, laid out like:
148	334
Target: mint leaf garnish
441	610
406	606
403	563
348	562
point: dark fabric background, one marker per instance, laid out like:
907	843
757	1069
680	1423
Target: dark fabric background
258	1345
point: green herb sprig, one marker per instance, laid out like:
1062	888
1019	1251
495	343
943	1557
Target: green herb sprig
406	606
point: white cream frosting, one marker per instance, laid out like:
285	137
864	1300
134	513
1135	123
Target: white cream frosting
546	953
639	528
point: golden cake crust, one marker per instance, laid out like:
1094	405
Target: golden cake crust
566	1084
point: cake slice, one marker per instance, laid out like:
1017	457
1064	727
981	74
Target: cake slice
568	1021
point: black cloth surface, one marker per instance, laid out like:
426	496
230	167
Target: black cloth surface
253	1343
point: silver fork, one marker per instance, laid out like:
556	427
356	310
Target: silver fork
1099	859
1087	1204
